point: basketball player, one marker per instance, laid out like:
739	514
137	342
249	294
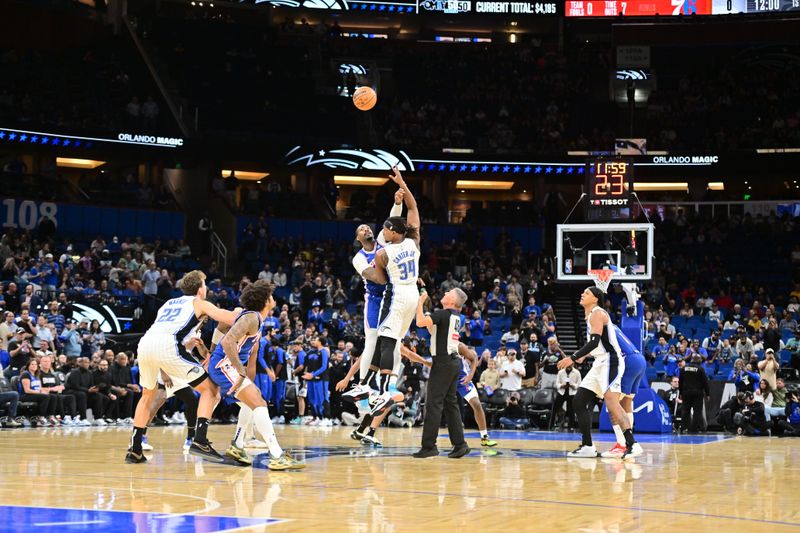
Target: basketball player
162	348
226	369
465	389
604	378
373	294
396	265
167	388
635	368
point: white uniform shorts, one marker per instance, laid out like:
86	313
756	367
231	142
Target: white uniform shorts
605	375
177	384
160	352
398	309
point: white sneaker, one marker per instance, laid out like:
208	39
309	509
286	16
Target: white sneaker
381	403
281	420
313	422
100	422
255	443
637	450
128	421
587	452
146	446
336	422
358	392
326	422
67	421
616	451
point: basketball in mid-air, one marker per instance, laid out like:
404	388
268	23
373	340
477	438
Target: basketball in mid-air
365	98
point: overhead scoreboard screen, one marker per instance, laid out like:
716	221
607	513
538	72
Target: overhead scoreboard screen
609	184
649	8
447	7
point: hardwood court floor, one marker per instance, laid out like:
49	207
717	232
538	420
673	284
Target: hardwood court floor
734	484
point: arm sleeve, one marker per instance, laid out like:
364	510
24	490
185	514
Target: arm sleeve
594	342
396	210
360	263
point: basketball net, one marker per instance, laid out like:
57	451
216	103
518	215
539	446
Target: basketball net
601	278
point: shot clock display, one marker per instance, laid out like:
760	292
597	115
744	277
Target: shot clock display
609	183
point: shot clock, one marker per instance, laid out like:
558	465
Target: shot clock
609	183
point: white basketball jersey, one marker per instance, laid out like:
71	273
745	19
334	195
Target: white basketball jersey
608	339
403	265
176	317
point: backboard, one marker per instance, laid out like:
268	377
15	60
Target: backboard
626	248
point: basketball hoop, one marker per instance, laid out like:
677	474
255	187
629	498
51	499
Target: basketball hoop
601	278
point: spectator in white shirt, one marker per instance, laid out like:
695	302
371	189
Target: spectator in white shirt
510	336
279	278
512	372
567	382
266	274
730	323
715	314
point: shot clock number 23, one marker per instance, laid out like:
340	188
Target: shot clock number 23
608	179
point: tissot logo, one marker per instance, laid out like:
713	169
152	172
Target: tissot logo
612	201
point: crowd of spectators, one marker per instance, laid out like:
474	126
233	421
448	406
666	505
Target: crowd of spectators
743	327
725	99
93	87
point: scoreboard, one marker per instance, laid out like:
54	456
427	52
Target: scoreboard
609	184
649	8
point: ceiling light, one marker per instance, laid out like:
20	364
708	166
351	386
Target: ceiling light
661	186
247	175
716	186
493	185
71	162
359	180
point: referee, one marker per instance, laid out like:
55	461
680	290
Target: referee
443	325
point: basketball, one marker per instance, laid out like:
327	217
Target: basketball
365	98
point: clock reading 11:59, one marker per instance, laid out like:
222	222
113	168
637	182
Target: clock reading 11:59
609	178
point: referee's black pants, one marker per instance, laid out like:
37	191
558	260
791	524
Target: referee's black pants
442	396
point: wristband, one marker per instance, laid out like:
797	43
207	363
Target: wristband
574	359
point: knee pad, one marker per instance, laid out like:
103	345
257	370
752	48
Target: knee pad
375	356
387	347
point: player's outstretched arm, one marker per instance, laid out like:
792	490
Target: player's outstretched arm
413	356
412	217
397	207
210	310
342	384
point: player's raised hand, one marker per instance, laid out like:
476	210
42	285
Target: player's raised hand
398	196
397	177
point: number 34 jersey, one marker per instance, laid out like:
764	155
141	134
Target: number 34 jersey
403	262
399	304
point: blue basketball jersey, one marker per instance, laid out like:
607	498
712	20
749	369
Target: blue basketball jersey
246	344
625	344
